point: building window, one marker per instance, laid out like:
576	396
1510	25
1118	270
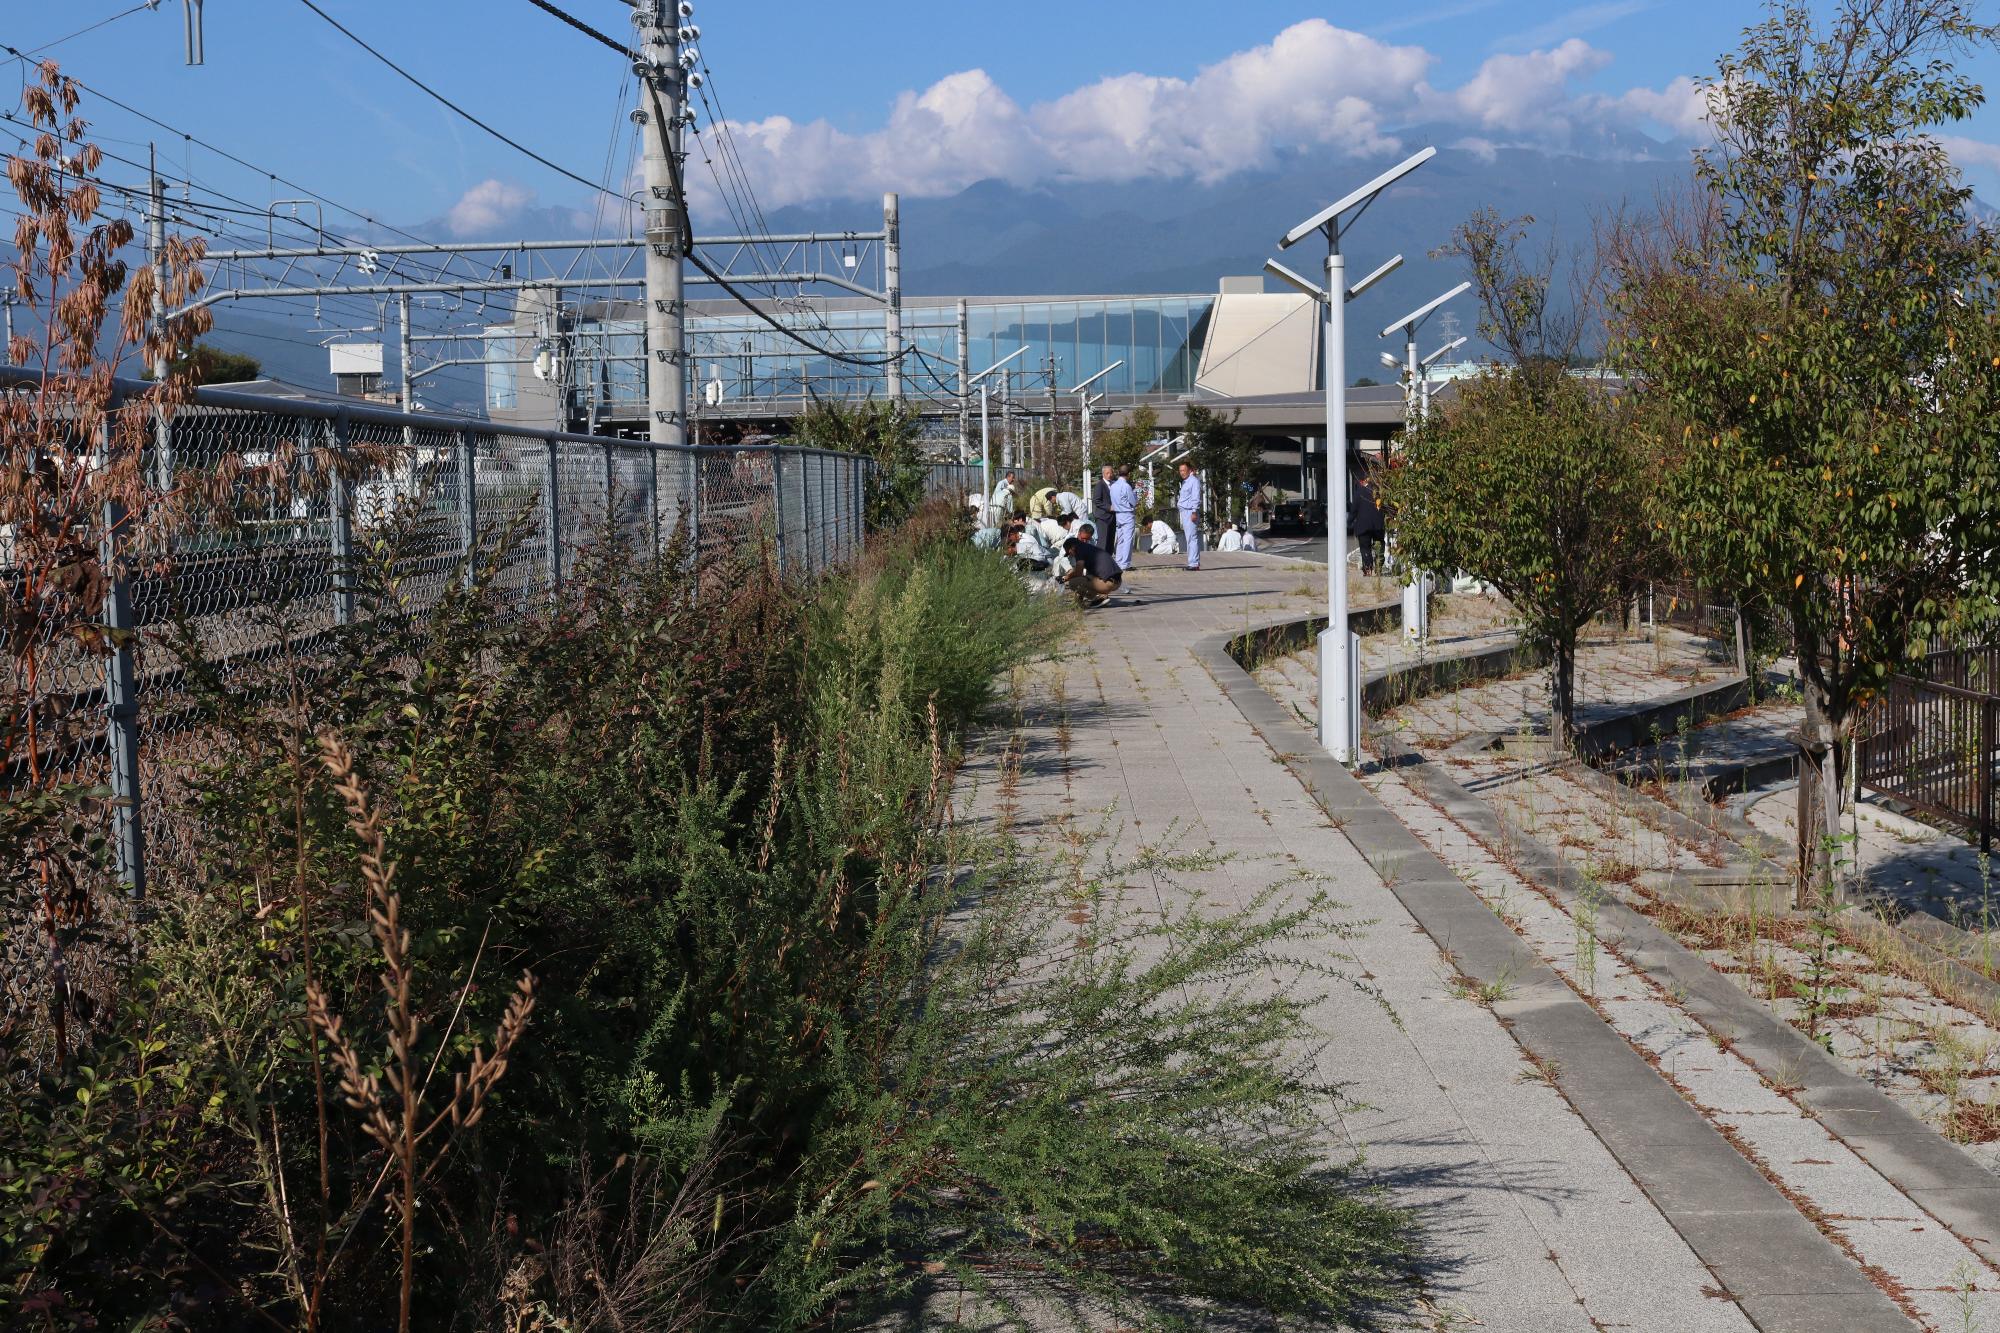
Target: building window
502	374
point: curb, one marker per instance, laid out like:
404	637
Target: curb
1910	1155
1756	1242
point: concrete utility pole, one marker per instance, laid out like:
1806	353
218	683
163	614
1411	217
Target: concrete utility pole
409	394
659	70
1007	441
892	283
156	256
964	404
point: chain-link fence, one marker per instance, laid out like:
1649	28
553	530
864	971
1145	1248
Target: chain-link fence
320	514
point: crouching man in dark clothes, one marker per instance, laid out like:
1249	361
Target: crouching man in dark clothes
1094	574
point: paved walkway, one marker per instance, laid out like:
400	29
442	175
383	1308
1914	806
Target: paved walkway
1535	1223
1484	811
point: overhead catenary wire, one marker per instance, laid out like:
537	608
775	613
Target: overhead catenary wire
105	22
585	28
679	184
447	103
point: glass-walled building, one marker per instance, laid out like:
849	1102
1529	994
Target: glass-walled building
739	362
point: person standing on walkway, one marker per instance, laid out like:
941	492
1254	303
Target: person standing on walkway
1188	502
1101	514
1364	520
1125	511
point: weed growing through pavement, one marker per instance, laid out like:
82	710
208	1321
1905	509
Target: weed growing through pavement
1588	899
1541	1069
1488	993
1820	989
1964	1287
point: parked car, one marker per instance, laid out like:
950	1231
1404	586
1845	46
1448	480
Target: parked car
1298	516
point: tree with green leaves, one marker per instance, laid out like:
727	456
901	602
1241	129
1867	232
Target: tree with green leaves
1124	446
1539	486
1534	480
885	433
205	363
1227	457
1826	338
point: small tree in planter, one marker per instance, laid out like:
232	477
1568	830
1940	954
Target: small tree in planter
1534	480
1831	350
1537	484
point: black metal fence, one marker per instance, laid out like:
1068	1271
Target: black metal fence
1930	743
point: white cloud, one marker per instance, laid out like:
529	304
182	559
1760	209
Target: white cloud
1314	85
486	206
1680	108
1970	154
1525	94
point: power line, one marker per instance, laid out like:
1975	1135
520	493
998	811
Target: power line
585	29
687	246
446	102
123	13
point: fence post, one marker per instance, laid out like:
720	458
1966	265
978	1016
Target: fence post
468	504
1742	645
1989	709
778	501
610	488
693	494
340	509
653	461
806	464
121	694
552	520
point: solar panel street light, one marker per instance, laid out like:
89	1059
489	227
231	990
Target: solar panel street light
1416	406
1410	321
1084	409
1339	653
1285	275
1330	215
1451	346
1389	266
986	430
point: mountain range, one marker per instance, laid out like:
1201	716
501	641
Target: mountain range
1180	236
1155	236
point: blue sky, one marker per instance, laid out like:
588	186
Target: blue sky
886	94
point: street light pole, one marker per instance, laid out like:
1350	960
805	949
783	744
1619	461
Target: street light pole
1083	406
1339	684
1416	592
986	429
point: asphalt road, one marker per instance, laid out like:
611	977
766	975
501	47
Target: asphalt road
1298	547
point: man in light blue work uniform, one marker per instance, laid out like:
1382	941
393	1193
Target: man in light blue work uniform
1189	503
1125	511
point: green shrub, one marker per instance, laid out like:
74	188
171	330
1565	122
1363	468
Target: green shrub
791	1059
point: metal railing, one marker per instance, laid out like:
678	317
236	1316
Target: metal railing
413	500
956	482
1932	746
